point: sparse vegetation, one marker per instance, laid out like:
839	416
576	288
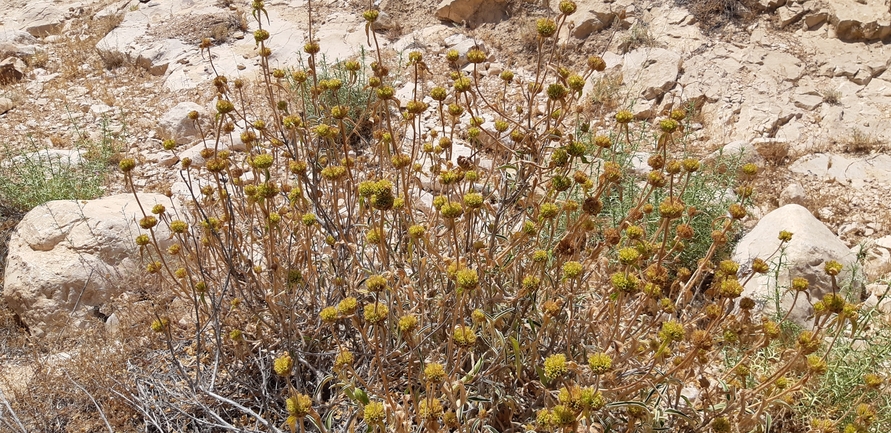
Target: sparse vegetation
831	96
220	33
606	90
857	141
716	13
39	59
775	152
31	174
638	36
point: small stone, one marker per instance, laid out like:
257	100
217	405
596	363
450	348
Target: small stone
793	194
6	104
12	70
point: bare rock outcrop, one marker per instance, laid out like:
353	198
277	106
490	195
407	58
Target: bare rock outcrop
175	123
860	21
649	74
67	257
471	12
17	43
6	104
43	18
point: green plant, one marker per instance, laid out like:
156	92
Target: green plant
706	194
389	284
856	355
32	175
346	85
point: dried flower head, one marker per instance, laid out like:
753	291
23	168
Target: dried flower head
600	363
434	373
555	366
299	405
833	268
464	336
282	365
596	63
407	323
545	27
375	313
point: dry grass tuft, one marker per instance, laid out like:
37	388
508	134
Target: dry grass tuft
858	141
717	13
831	96
638	36
40	59
775	153
606	90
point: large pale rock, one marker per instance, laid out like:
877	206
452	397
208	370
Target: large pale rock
462	44
471	12
154	40
651	72
857	21
6	104
17	43
588	21
808	101
783	66
794	193
176	125
67	257
769	5
812	245
42	18
342	37
845	168
791	14
428	38
595	15
813	19
743	150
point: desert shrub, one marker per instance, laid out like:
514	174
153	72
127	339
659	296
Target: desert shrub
716	13
348	88
842	394
502	269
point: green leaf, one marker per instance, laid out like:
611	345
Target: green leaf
681	415
518	357
361	396
474	371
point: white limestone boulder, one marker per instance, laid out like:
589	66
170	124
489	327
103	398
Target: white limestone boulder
67	257
651	72
175	123
42	18
811	247
472	12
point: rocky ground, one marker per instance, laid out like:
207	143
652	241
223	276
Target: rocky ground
803	83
